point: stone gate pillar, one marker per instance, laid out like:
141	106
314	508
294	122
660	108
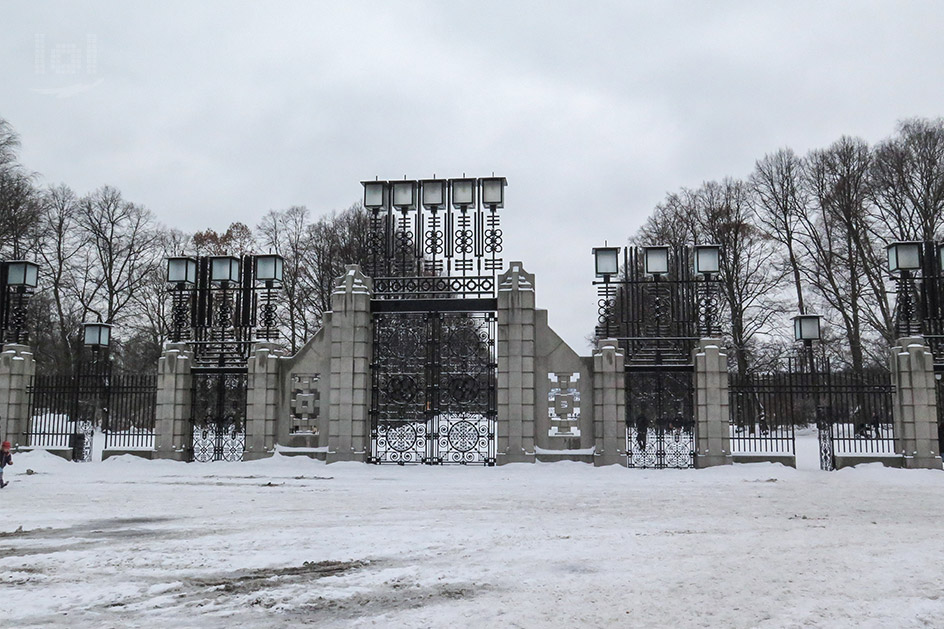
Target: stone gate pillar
712	415
17	369
515	429
262	395
609	403
351	334
915	404
173	431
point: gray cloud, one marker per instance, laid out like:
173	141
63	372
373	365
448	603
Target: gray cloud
215	111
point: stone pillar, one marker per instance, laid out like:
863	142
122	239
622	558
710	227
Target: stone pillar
712	415
351	333
262	395
915	404
17	369
609	403
173	430
515	429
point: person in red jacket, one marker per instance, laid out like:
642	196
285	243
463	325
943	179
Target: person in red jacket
5	459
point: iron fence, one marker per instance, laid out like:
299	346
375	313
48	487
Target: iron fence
65	410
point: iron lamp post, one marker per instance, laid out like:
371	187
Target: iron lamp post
19	278
707	266
806	329
268	270
904	258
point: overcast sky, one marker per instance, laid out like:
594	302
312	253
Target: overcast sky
211	112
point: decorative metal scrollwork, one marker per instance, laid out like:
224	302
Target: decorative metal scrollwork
660	424
219	416
434	404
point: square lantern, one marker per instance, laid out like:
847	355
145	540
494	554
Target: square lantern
434	193
181	270
269	268
806	327
656	260
404	194
374	194
22	273
904	256
493	191
707	259
606	261
224	269
97	334
463	192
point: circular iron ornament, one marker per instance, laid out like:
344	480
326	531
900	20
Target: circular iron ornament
402	389
464	341
401	438
401	342
434	242
463	436
464	389
464	241
493	241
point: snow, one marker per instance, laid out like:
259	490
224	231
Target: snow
290	541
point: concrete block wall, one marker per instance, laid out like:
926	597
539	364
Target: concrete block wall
712	415
609	403
173	431
915	404
17	369
351	334
262	400
516	365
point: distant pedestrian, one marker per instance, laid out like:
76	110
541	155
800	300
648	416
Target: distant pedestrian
5	459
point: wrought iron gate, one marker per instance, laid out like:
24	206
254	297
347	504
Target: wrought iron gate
64	411
219	415
660	419
853	415
433	388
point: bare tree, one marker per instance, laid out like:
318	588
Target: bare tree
122	249
781	203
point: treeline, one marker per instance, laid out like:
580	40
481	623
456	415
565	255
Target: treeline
101	257
807	234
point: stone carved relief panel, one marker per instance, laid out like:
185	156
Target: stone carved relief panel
563	404
305	403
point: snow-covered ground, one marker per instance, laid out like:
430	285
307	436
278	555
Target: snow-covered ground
289	541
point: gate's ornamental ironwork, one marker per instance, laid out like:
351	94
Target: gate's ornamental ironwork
433	253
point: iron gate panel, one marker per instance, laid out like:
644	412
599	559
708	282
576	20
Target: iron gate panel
219	415
433	382
660	419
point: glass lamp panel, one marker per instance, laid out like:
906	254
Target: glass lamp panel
657	260
31	276
806	327
909	256
181	270
940	256
607	261
493	191
403	192
224	269
434	193
97	334
707	259
463	192
16	273
374	194
269	268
